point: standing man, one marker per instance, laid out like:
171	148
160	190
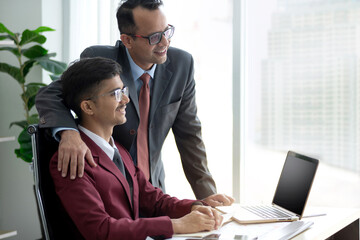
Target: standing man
164	101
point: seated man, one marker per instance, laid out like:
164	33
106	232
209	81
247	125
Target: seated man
105	203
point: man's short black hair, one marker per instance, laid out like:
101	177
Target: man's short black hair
82	79
125	17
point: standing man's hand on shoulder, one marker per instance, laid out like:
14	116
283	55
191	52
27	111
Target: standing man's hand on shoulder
73	151
219	200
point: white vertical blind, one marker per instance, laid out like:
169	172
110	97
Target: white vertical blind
90	22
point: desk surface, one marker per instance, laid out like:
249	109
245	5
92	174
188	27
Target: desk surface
335	220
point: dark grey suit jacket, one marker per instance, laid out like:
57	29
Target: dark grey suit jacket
172	106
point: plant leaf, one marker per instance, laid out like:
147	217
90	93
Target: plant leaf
13	38
51	55
52	66
27	66
54	77
30	93
2	37
25	150
43	29
3	29
13	50
21	124
33	119
35	52
31	36
12	71
36	84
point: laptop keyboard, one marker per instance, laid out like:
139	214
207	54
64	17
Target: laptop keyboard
267	212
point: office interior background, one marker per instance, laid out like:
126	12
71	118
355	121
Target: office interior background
271	76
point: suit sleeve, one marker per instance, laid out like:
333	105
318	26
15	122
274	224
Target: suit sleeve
154	203
51	107
85	206
187	132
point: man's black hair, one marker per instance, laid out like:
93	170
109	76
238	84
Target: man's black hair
125	17
82	79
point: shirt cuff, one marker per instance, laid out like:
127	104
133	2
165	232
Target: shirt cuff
57	130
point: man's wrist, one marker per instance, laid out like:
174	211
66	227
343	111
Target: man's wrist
59	130
197	204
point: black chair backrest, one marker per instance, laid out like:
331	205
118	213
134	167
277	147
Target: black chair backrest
56	223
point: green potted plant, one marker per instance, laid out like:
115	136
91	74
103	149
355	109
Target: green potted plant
27	48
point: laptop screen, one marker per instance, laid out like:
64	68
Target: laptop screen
295	182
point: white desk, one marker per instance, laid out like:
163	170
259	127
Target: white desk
340	223
336	224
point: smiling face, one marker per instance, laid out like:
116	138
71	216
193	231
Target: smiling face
102	112
147	22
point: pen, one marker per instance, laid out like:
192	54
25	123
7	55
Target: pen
314	215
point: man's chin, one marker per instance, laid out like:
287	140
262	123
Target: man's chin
161	60
122	121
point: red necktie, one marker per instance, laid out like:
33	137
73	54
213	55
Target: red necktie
142	135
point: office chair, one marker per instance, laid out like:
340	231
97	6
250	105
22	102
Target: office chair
56	224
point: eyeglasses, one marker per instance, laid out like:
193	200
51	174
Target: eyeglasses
155	38
117	93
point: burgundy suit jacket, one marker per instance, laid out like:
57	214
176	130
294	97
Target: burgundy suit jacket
100	204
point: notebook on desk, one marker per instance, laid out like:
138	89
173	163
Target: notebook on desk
290	196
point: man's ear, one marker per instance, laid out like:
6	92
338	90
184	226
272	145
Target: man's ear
87	107
127	40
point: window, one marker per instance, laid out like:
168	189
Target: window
205	31
302	94
87	23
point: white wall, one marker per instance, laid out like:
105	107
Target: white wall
17	200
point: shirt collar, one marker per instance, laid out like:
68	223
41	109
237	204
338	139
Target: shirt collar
108	148
137	71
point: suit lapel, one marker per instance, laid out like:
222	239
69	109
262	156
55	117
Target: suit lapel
106	163
127	78
162	79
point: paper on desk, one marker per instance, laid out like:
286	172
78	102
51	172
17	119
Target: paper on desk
226	219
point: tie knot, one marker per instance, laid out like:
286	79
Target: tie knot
145	78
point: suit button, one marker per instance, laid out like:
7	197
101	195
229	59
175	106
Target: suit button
132	132
42	120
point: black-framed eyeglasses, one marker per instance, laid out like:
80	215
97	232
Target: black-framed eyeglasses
155	38
117	93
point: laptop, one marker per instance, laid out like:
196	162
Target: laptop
290	197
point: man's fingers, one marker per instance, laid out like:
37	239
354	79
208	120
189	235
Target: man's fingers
60	160
72	154
80	167
218	218
228	200
206	211
90	158
65	164
215	203
73	166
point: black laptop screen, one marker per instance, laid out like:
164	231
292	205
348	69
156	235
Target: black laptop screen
295	182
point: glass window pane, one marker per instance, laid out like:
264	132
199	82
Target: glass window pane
204	29
303	95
